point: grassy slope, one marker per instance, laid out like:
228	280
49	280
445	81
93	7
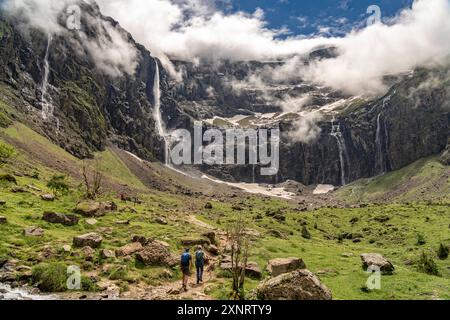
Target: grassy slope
395	238
424	179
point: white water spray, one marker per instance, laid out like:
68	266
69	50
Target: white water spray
381	140
343	155
158	117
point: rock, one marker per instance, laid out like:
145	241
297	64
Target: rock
67	248
92	240
107	254
34	188
64	219
277	234
8	177
155	254
129	249
211	236
48	197
195	242
252	270
296	285
347	255
213	249
94	209
33	232
284	265
3	220
208	206
2	202
88	253
18	190
123	222
46	253
305	233
375	259
91	222
160	220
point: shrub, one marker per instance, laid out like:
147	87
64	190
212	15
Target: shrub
50	277
305	233
427	265
6	152
421	240
58	184
88	285
442	252
118	273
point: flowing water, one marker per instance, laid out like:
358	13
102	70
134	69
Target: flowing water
343	155
381	141
158	117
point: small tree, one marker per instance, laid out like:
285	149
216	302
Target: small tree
239	255
426	264
92	179
442	252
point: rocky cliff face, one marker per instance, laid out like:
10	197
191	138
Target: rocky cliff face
62	93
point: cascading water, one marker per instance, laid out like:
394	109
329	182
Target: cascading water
343	155
158	117
381	141
46	100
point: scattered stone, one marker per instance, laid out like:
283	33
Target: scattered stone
195	242
48	197
18	190
92	240
160	220
91	222
107	254
347	255
34	188
33	232
208	206
297	285
375	259
213	249
123	222
67	248
64	219
94	209
129	249
3	220
155	254
88	253
2	202
8	178
284	265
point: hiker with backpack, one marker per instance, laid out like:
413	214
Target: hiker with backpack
199	263
186	263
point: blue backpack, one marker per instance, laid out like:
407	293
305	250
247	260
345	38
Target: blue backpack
185	259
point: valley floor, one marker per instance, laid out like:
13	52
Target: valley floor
173	208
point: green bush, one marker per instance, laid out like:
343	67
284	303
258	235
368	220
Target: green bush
118	273
442	252
88	285
426	264
50	277
6	152
58	184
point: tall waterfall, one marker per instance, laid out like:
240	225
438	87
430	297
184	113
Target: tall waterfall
343	154
381	141
160	126
46	100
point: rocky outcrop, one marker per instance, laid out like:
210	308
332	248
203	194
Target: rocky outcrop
129	249
378	261
92	240
156	254
297	285
94	209
284	265
64	219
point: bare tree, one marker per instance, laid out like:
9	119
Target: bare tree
239	255
92	179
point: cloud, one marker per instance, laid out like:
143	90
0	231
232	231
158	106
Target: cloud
193	30
110	49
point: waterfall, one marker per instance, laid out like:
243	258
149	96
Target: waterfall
46	100
158	117
47	106
343	154
381	140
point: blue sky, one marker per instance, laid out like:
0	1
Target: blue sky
307	17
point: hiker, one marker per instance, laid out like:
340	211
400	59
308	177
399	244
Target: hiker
186	262
199	263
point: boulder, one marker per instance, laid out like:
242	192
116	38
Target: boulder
377	260
91	222
3	220
284	265
252	269
208	206
67	248
64	219
88	253
92	240
211	236
156	254
107	254
129	249
94	209
48	197
195	242
296	285
213	249
161	221
33	232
